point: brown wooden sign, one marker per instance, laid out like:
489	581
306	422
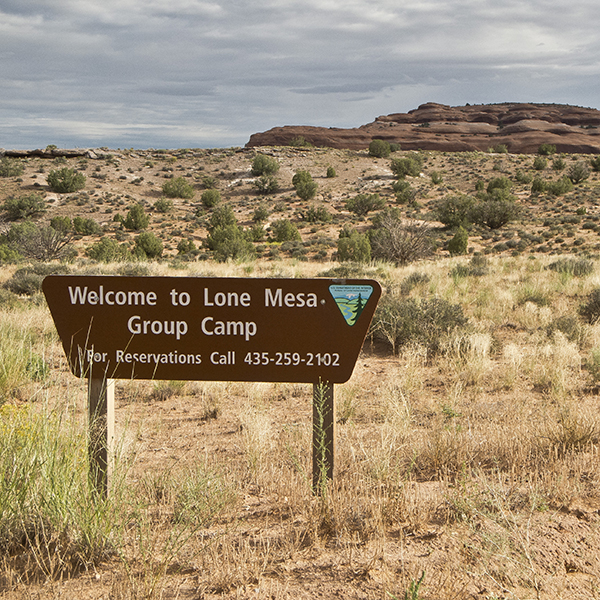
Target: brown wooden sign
211	329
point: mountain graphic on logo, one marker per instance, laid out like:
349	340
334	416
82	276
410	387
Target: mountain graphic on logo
351	300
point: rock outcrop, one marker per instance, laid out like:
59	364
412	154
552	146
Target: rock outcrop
522	128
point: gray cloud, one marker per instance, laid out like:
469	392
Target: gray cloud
210	73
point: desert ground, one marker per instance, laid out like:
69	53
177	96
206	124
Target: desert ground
467	437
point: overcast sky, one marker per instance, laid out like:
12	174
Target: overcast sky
195	73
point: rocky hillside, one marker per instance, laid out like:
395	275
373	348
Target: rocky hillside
519	127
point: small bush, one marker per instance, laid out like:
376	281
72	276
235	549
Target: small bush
305	186
502	184
455	211
331	173
595	163
317	214
230	242
578	172
559	187
266	184
573	266
83	226
178	187
558	164
66	181
223	216
284	230
353	246
363	204
163	205
590	309
11	167
24	207
108	250
210	198
524	178
539	163
494	213
477	267
409	165
436	178
136	218
459	243
264	165
261	213
28	280
379	149
147	245
547	149
402	321
405	194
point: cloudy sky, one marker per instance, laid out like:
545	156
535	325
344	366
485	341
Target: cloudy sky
202	73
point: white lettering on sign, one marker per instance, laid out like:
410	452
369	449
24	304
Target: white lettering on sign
212	327
226	299
137	326
111	297
290	300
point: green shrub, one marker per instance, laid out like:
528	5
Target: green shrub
9	255
264	165
230	242
223	216
547	149
405	194
558	164
521	177
494	213
459	243
261	213
284	230
186	246
331	173
590	309
136	218
28	280
353	246
305	186
436	178
539	163
455	211
411	165
209	182
569	326
147	245
83	226
66	180
266	184
178	187
379	149
395	147
210	198
559	187
595	163
317	214
502	184
577	267
11	167
300	142
578	172
163	205
363	204
538	186
108	250
428	322
476	267
24	207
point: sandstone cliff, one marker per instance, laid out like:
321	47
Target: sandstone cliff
520	127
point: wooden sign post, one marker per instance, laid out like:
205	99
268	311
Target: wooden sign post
210	329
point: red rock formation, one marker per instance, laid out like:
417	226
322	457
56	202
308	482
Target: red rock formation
520	127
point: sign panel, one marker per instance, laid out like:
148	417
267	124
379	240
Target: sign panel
212	329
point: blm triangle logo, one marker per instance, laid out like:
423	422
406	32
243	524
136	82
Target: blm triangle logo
351	300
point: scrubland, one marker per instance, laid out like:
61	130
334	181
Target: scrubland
467	438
